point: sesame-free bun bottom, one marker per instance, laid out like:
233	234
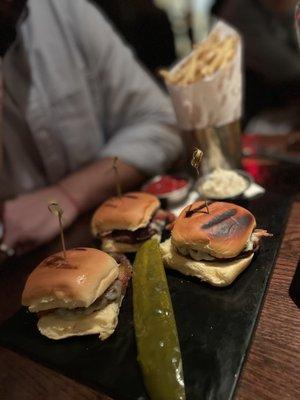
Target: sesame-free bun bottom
216	273
101	322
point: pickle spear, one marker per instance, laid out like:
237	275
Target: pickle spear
155	327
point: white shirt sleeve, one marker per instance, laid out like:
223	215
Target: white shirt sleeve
139	121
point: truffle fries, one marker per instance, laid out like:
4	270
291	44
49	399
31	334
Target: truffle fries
208	57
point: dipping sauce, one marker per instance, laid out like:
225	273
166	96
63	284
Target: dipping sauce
165	184
223	183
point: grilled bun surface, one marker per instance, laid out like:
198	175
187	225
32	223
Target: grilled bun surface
223	233
75	282
130	212
217	273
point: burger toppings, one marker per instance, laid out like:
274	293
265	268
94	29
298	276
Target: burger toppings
254	239
113	293
226	233
252	245
110	295
194	254
125	236
155	227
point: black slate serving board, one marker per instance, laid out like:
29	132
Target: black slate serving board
214	325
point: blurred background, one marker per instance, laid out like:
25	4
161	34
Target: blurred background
163	31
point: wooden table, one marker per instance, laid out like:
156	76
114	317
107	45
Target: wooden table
271	370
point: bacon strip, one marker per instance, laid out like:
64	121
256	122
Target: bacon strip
119	285
162	217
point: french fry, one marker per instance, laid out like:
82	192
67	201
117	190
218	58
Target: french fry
192	69
207	58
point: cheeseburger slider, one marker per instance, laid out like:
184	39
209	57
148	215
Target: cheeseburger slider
216	246
77	295
124	223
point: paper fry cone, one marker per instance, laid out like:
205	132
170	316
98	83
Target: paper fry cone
214	100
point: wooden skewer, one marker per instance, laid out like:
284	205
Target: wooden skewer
196	161
116	171
55	209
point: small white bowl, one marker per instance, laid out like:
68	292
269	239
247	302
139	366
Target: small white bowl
240	172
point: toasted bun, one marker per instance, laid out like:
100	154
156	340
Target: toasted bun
223	233
111	245
131	212
217	273
101	322
77	282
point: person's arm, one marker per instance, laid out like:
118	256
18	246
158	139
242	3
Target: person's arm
138	122
91	185
27	221
138	118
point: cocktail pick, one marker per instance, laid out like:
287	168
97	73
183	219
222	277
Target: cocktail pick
195	162
117	176
196	159
55	209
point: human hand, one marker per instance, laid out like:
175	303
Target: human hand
28	222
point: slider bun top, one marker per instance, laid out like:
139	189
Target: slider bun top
223	233
76	282
131	211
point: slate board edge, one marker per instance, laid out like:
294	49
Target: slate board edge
260	306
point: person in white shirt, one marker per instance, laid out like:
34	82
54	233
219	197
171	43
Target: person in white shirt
74	97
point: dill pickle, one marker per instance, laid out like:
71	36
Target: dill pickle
155	327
